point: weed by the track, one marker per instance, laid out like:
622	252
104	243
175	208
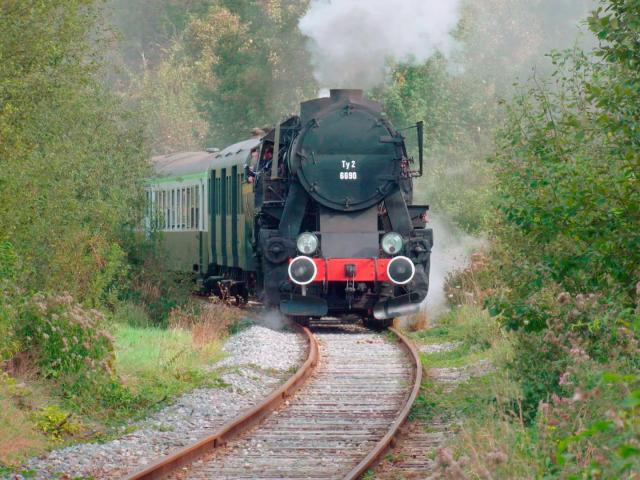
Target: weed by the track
156	363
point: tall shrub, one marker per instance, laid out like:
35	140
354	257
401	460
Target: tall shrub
71	157
568	205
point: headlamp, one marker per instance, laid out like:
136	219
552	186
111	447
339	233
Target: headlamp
392	243
307	243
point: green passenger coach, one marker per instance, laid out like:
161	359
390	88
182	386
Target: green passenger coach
203	206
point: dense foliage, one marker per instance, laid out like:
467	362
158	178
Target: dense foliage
567	249
71	158
567	187
226	68
458	121
251	65
72	167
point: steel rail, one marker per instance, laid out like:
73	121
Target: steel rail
387	441
160	468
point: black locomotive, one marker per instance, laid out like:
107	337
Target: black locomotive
316	217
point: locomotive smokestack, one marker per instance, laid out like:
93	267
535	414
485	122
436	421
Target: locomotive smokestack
344	94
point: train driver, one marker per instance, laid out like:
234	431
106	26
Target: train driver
267	156
250	172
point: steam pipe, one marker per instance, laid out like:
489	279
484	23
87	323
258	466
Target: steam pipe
406	304
276	152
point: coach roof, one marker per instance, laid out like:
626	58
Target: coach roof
179	164
190	163
235	154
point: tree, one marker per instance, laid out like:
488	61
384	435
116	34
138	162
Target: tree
71	157
251	67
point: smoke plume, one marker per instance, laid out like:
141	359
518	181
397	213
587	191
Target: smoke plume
352	41
451	251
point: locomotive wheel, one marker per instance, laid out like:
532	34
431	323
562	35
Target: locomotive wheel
375	324
304	321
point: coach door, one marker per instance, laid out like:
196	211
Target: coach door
213	213
235	241
224	212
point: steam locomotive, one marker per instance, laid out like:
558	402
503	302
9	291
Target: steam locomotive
315	217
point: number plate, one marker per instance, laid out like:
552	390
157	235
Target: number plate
348	170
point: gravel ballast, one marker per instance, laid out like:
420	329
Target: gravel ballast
258	360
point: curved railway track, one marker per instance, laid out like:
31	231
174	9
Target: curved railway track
354	391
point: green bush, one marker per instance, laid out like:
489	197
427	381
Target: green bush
132	314
56	423
64	338
9	344
9	271
592	432
567	236
8	260
567	190
72	159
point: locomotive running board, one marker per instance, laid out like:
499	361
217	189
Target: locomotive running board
304	306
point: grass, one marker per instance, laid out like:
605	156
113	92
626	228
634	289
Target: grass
152	366
18	434
156	362
477	337
490	435
455	358
468	324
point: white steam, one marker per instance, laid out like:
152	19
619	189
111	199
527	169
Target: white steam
272	319
452	251
352	41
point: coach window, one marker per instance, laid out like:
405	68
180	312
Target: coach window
176	210
190	207
187	208
194	207
158	208
191	224
185	213
165	211
160	212
162	219
172	208
239	192
194	201
218	196
205	205
181	209
178	215
151	206
167	208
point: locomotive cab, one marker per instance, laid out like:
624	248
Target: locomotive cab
336	233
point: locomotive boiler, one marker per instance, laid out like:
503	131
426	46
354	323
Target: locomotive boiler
316	217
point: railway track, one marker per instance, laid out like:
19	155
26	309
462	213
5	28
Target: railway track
353	394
